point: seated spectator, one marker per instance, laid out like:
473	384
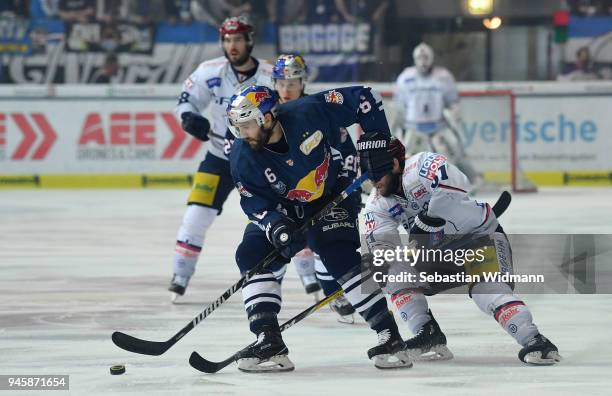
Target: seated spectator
582	70
15	8
178	10
44	8
80	11
109	70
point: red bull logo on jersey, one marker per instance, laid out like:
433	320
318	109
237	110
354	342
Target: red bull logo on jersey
311	186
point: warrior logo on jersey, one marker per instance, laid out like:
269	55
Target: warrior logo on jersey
313	141
243	191
311	186
430	166
334	96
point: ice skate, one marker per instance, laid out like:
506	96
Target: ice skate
540	351
267	355
177	287
390	353
344	309
429	343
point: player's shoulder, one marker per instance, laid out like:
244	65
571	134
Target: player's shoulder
265	67
422	166
305	104
442	73
210	68
407	75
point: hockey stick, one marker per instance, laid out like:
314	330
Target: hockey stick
199	363
502	203
156	348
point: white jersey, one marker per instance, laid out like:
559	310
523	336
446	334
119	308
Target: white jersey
429	184
421	100
213	83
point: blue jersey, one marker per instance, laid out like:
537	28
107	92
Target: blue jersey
269	181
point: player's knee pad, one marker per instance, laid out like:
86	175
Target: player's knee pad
262	299
204	189
304	262
196	221
490	295
412	307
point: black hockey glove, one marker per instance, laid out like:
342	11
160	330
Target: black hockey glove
427	231
196	125
374	155
286	237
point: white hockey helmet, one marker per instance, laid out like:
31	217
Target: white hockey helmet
423	57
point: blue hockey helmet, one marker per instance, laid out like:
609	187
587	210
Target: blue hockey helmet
251	103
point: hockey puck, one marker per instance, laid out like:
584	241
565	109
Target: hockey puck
117	370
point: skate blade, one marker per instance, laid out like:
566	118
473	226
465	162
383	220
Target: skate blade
275	364
174	297
397	360
536	358
437	352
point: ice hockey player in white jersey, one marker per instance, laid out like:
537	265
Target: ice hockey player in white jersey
210	86
427	104
289	78
428	196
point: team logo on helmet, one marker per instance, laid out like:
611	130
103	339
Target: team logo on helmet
289	67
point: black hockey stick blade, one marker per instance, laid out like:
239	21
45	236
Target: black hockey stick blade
136	345
502	203
206	366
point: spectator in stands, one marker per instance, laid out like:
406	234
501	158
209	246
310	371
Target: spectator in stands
82	11
111	11
212	12
44	8
145	11
178	10
109	70
582	70
322	11
15	8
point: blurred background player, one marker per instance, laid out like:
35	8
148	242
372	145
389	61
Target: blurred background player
287	165
428	114
430	197
289	78
212	83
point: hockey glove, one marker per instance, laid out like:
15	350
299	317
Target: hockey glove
196	125
427	231
374	155
286	237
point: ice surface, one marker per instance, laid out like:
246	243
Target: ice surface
77	265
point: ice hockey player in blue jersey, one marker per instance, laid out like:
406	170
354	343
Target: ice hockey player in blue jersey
289	80
286	166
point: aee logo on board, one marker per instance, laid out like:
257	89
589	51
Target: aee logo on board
37	136
123	135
